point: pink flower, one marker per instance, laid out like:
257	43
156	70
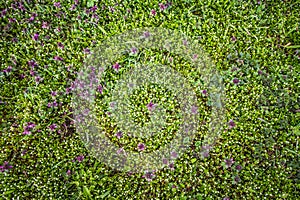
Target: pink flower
151	106
52	127
119	151
231	124
116	66
119	134
141	147
60	45
229	162
58	58
162	6
35	37
80	158
236	81
153	12
100	89
45	25
194	109
174	154
146	34
57	4
149	175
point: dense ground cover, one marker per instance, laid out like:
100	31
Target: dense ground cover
254	45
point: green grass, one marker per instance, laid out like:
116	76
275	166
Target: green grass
264	105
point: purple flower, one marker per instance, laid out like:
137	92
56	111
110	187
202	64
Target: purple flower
153	12
26	132
3	12
119	151
174	154
73	6
54	104
111	9
169	4
32	63
100	89
141	147
28	128
31	19
226	198
69	172
80	158
23	152
237	179
162	6
45	25
119	134
171	166
134	50
94	8
204	92
231	123
116	66
195	56
236	81
151	106
185	42
8	69
35	37
194	109
57	4
30	125
165	161
68	90
238	167
229	162
146	34
11	20
21	7
205	154
32	73
38	79
53	93
58	58
15	39
149	175
233	39
6	166
86	50
52	127
60	45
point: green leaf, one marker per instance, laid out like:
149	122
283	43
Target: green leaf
198	143
87	192
293	47
90	3
105	194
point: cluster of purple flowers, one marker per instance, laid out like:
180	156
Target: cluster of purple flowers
5	167
149	175
28	128
162	7
8	69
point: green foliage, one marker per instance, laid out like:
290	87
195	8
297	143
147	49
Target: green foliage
255	43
